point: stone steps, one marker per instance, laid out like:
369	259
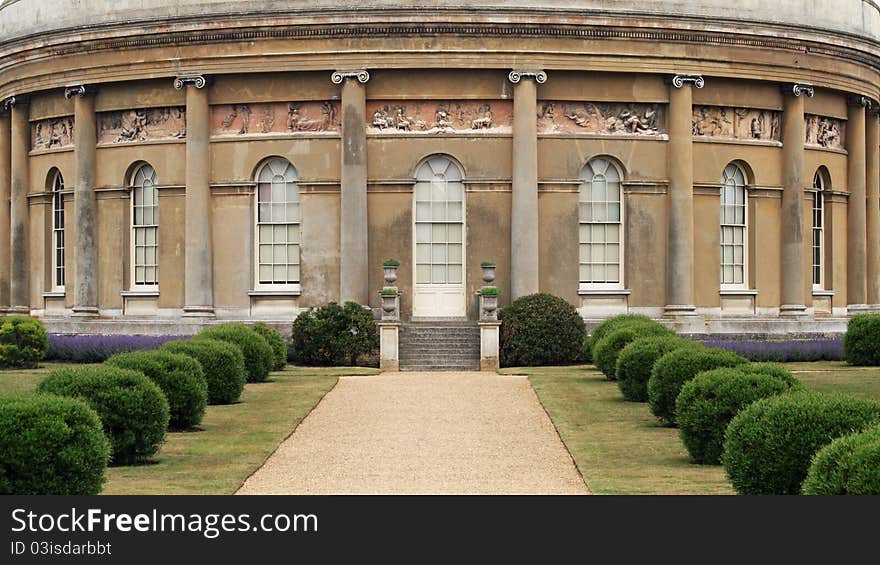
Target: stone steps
440	346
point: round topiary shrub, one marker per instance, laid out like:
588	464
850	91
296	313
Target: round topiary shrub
774	370
609	347
23	342
608	325
258	355
848	465
636	360
861	343
708	402
179	376
222	363
677	367
333	335
51	445
769	445
540	329
132	408
275	341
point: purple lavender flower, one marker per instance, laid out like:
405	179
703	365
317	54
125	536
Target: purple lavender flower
97	348
782	351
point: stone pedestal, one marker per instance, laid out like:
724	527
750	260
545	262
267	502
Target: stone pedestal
490	342
18	210
856	236
792	258
389	346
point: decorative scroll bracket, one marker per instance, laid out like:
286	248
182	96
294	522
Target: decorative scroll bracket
76	90
678	81
803	88
338	76
516	76
198	81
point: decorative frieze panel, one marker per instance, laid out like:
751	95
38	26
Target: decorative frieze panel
825	132
440	116
145	124
54	133
275	118
601	118
737	123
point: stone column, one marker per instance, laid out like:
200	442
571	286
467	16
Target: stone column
5	177
680	165
524	197
353	252
856	233
20	140
872	219
198	254
85	212
792	261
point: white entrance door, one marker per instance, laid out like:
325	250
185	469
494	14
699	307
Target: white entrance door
439	240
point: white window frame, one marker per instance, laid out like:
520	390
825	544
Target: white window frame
456	177
286	287
58	234
585	286
134	285
818	196
744	227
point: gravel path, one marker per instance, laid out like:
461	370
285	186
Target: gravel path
423	433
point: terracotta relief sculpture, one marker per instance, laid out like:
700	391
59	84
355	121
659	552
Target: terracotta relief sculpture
274	118
824	132
52	133
736	123
600	118
440	117
131	126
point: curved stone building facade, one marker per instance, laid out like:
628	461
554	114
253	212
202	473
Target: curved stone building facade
165	164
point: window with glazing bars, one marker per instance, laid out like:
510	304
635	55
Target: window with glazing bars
278	224
145	227
733	226
58	231
599	211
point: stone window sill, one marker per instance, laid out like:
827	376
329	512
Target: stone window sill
295	291
823	293
139	294
54	294
738	292
604	292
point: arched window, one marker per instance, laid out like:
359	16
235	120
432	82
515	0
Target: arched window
734	223
145	227
601	236
278	224
818	272
57	184
439	197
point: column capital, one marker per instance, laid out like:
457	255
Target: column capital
678	81
182	81
859	100
338	77
799	88
875	108
540	76
13	101
79	90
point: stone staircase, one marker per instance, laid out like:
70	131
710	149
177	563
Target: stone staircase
439	346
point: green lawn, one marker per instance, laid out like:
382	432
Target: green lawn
620	448
233	442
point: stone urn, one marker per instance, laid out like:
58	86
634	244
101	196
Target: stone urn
488	272
489	306
390	273
390	303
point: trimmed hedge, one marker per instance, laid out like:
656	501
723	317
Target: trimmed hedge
769	445
258	355
861	343
333	335
275	341
609	347
608	325
132	408
708	402
848	465
636	360
51	445
179	376
222	363
23	342
774	370
677	367
540	329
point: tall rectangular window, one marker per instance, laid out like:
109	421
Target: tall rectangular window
599	211
733	227
145	227
818	232
278	224
58	274
439	197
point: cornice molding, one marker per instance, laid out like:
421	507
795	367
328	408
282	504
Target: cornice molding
338	77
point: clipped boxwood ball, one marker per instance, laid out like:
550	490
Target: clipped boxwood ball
636	360
258	355
861	343
23	342
608	325
540	329
222	363
51	445
609	347
769	445
774	370
179	376
132	408
848	465
275	341
708	402
677	367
